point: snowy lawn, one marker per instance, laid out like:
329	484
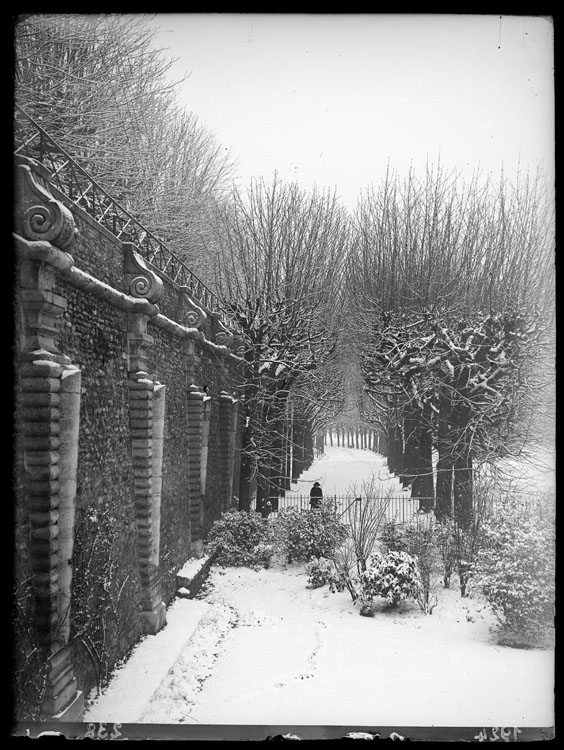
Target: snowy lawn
293	655
266	649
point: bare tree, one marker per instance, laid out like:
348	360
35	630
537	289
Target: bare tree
279	269
455	284
102	89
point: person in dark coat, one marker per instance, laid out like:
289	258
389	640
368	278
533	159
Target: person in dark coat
315	496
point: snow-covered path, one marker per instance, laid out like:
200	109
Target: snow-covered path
268	650
301	656
341	471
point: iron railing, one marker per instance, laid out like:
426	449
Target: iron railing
401	508
33	142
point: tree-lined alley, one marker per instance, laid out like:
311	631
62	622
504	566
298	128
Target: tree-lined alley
428	314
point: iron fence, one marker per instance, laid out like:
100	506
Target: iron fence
33	142
404	508
401	508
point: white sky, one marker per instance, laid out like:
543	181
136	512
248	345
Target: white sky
329	99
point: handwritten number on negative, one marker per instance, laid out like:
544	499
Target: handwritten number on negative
102	732
498	733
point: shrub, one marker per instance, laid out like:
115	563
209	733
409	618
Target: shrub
323	572
515	572
422	544
434	547
240	538
307	534
418	540
394	577
366	518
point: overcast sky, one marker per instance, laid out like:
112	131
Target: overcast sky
330	99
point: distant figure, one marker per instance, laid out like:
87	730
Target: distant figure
315	496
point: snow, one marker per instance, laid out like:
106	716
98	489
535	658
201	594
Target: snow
341	470
134	683
259	647
191	568
301	656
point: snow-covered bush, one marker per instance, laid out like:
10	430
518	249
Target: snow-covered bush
366	518
394	577
240	538
435	543
515	571
323	572
419	540
307	534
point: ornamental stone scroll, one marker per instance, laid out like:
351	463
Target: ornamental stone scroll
140	281
238	346
222	336
191	314
40	216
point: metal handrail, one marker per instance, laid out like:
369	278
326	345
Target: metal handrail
83	191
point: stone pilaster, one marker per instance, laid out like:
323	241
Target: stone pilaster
47	424
159	395
192	362
206	419
146	419
195	408
69	423
48	417
141	395
138	341
228	433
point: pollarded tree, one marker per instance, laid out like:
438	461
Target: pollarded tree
463	380
279	268
460	318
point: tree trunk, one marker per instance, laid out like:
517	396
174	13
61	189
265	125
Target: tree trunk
395	457
423	483
411	431
246	473
298	458
309	454
445	477
463	489
382	443
445	463
463	470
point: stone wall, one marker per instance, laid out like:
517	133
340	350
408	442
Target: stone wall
127	443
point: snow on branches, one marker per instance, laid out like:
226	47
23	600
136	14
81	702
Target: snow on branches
451	383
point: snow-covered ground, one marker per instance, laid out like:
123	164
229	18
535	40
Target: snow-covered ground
341	471
259	647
